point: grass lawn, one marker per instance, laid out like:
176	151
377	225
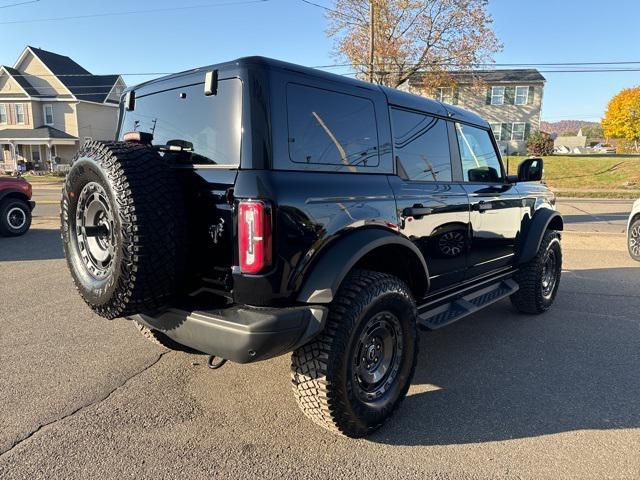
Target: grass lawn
43	178
612	177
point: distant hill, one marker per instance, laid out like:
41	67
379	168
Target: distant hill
564	126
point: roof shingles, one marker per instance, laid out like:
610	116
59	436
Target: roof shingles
80	82
526	75
34	133
21	80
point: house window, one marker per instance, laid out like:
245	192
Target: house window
497	131
48	114
522	95
497	95
445	94
19	113
517	131
3	113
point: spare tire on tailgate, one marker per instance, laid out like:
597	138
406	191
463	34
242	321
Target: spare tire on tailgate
123	228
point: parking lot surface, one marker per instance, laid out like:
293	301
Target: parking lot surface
496	395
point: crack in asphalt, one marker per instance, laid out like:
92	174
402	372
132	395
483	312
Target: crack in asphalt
20	441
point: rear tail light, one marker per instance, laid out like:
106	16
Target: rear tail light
254	236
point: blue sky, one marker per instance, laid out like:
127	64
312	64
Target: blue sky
543	31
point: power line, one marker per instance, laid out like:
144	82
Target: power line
557	64
132	12
602	70
90	74
464	72
20	3
336	12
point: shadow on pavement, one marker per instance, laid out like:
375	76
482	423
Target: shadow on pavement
605	217
36	244
499	375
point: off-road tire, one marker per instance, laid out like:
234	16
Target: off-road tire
633	239
321	371
19	206
530	298
159	338
146	235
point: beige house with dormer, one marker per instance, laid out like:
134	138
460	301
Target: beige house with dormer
49	106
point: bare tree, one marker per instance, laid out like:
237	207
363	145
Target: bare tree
412	36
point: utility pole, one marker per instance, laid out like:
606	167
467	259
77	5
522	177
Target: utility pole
371	39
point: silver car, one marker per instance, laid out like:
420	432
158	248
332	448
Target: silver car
633	231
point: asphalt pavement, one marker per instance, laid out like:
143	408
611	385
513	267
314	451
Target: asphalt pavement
496	395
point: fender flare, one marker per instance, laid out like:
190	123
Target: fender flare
541	221
341	256
10	191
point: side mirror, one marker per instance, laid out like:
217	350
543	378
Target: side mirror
530	170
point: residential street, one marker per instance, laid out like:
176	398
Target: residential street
496	395
581	214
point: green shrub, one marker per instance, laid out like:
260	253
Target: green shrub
540	144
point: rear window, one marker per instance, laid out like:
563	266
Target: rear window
208	128
330	128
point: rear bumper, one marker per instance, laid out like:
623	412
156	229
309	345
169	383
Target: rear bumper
241	334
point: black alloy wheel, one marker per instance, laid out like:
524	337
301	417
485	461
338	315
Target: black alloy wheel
95	230
376	359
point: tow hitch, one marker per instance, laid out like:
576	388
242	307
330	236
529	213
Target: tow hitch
215	362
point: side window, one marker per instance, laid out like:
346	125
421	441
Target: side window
480	161
421	146
331	128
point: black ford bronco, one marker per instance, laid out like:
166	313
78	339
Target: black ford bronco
256	208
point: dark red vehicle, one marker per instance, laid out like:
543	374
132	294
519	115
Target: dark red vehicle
15	206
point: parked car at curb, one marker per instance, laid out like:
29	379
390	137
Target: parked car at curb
604	148
256	208
15	206
633	231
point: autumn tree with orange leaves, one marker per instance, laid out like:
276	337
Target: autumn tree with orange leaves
622	118
411	36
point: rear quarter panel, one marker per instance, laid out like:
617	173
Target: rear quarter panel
312	209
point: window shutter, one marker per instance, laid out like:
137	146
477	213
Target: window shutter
25	107
489	96
510	95
506	132
527	131
456	95
11	120
532	91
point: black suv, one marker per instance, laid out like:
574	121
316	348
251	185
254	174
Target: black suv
255	207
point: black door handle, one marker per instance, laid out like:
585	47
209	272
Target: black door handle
484	206
416	211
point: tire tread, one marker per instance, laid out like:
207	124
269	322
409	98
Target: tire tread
314	366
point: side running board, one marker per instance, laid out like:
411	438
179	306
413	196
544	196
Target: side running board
472	302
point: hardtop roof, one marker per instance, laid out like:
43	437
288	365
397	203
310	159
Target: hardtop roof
394	96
